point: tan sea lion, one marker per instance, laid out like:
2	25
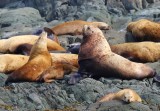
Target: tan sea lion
127	95
74	27
138	52
96	57
59	58
39	60
10	45
12	62
144	30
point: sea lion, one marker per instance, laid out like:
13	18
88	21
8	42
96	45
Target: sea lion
74	27
144	30
10	45
59	58
62	64
39	60
127	95
138	52
96	58
12	62
25	49
57	71
50	35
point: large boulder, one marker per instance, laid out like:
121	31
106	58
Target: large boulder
17	21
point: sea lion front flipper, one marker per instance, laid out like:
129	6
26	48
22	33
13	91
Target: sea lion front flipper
157	78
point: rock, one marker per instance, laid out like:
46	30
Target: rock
83	95
35	98
16	22
116	7
14	5
115	37
149	13
119	23
87	90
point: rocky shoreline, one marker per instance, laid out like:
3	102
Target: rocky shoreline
26	16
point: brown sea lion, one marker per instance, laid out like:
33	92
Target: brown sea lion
144	30
10	45
138	52
74	27
12	62
61	64
96	57
39	60
57	71
127	95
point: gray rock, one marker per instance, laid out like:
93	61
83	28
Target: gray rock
121	22
16	22
149	13
115	37
35	98
87	90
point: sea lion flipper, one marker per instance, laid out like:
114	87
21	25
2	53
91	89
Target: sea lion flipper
157	78
75	78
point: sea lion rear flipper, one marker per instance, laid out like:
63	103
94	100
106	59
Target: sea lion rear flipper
75	78
157	78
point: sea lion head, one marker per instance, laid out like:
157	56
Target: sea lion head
42	39
40	46
128	97
131	97
89	31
